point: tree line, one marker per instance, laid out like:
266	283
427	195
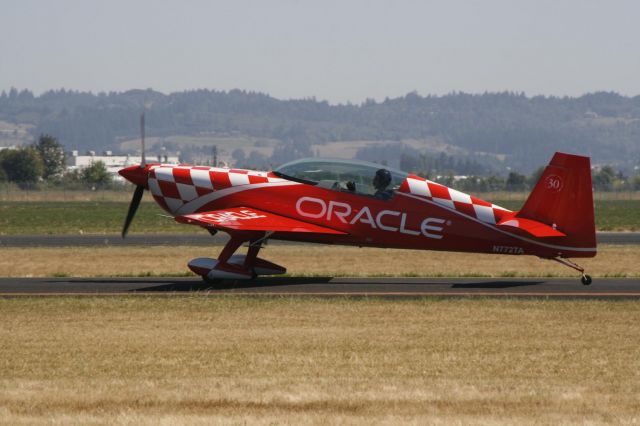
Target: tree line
44	162
521	130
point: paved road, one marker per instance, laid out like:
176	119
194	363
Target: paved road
325	286
201	239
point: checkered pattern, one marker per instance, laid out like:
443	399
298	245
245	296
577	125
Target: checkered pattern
174	186
455	200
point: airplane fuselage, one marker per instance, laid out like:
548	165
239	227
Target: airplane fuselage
420	214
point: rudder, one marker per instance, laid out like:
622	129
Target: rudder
563	199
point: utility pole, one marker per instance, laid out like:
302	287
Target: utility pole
215	156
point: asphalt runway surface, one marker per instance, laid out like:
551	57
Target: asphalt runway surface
602	288
201	239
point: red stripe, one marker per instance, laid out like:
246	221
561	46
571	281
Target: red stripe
439	191
220	180
257	179
182	176
465	208
169	189
479	202
242	172
501	214
203	191
404	187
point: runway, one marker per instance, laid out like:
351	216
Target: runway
602	288
200	239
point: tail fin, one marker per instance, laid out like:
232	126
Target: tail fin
563	199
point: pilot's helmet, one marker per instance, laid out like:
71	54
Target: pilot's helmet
382	179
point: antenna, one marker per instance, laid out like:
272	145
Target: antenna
144	160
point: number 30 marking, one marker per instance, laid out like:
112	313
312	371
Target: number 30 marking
553	183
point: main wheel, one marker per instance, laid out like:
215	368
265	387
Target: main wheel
586	279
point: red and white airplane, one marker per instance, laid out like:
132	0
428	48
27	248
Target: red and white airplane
364	204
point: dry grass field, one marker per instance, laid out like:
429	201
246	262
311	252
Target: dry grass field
230	360
308	260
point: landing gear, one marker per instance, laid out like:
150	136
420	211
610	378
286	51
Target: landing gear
585	279
230	266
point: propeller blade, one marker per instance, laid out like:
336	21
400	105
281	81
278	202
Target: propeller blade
144	159
135	202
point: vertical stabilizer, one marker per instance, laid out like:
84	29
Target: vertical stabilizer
563	199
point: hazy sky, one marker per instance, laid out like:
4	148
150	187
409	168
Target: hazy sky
335	50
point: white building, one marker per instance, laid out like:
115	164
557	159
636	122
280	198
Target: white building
113	162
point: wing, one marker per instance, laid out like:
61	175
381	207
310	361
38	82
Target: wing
250	219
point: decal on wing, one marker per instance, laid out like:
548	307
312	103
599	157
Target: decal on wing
250	219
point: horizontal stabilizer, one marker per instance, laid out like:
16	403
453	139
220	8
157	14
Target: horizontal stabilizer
531	227
250	219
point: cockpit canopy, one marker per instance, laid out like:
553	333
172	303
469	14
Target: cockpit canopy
343	175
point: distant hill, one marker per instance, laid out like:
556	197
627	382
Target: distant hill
495	130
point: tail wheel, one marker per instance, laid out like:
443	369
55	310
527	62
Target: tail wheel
586	279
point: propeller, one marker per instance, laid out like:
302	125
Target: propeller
139	192
135	202
144	159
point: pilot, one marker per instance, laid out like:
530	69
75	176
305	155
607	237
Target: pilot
381	181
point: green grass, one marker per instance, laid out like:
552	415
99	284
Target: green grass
611	215
617	215
89	217
107	217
